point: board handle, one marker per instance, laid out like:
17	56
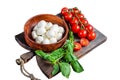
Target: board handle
24	58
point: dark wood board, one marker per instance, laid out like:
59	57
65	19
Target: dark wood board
46	67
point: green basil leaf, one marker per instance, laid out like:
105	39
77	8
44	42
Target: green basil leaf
55	69
65	69
40	53
70	57
74	58
67	57
76	66
71	36
57	54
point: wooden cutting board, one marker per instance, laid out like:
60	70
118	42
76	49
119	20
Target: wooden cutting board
47	67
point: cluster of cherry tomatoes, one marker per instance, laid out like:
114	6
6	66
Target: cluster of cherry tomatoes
80	26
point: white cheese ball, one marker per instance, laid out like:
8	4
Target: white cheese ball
41	31
34	35
55	28
50	33
46	41
59	36
35	28
42	23
39	39
53	40
61	29
48	26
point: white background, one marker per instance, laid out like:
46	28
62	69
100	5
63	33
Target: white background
102	63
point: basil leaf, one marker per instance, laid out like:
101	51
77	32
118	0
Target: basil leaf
65	69
76	66
41	53
71	36
74	58
55	69
70	57
57	54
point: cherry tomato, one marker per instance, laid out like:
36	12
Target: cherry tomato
73	21
64	10
76	10
84	42
82	33
75	28
77	46
81	16
89	28
91	36
84	21
68	16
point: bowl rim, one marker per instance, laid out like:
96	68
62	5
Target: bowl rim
64	35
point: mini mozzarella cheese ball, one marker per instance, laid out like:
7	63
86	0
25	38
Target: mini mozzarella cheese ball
42	23
35	28
53	40
46	41
61	29
55	28
48	26
59	36
34	35
50	33
40	31
39	39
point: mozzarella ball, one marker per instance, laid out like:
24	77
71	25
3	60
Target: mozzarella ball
42	23
55	28
40	31
35	28
46	41
34	35
39	39
53	40
48	26
59	36
50	33
61	29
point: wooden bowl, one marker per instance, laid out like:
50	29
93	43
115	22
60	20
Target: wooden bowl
28	27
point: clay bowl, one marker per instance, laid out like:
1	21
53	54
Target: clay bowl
29	25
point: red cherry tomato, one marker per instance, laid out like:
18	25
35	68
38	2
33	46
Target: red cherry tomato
84	42
76	10
68	16
81	16
91	36
77	46
64	10
82	33
84	21
89	28
73	21
75	28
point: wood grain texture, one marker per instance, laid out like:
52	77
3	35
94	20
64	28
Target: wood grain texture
27	56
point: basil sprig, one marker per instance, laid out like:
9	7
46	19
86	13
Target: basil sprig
62	58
